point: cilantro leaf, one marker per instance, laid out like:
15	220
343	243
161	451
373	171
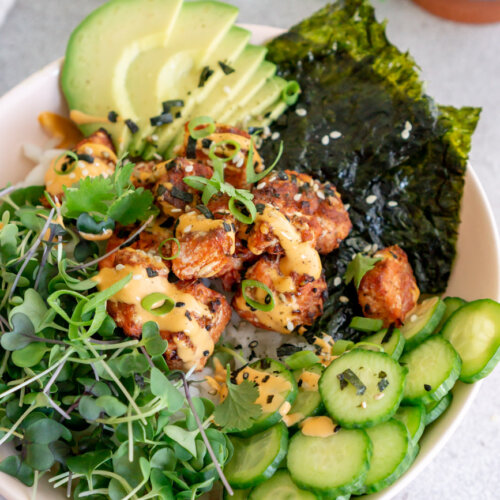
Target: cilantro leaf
239	410
90	196
131	206
358	267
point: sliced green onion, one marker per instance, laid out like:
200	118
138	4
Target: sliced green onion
366	324
341	346
176	254
227	142
252	176
249	205
208	192
253	303
72	155
301	359
201	126
149	301
291	92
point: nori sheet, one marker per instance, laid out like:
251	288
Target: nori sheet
356	82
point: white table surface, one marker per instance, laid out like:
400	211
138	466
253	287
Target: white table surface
462	67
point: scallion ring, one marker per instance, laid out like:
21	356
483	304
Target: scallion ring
252	176
69	166
290	93
201	127
176	254
248	204
150	301
236	148
253	303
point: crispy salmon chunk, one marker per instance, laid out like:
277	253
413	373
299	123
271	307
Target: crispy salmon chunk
314	208
389	291
298	299
222	143
173	196
192	326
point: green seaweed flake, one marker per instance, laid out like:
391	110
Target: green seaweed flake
396	157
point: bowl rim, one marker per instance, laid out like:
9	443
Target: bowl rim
263	32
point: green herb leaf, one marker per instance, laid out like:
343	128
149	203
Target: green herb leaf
182	437
111	405
162	387
45	431
88	408
90	196
86	463
39	456
16	468
30	355
239	410
21	334
358	267
154	344
132	206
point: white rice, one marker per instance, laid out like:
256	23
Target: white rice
42	159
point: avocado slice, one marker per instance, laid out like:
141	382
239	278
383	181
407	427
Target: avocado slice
173	70
239	73
230	47
93	68
265	71
254	111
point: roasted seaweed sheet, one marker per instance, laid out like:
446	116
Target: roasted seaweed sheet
396	157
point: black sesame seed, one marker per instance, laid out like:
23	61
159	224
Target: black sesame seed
206	353
151	272
180	304
266	378
206	143
270	398
299	383
188	315
178	114
282	175
427	387
246	375
112	116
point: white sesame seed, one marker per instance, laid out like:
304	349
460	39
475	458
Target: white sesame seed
347	206
321	195
378	396
88	150
282	297
227	89
301	112
334	46
371	199
335	134
325	140
413	318
392	204
261	185
105	154
363	404
272	179
72	175
275	136
405	134
189	168
187	229
154	137
374	247
85	172
297	197
266	131
137	277
119	267
176	210
337	281
344	299
289	326
408	126
367	248
158	157
81	164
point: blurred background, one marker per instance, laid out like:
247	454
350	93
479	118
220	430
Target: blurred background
461	65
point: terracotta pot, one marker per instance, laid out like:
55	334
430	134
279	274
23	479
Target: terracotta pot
464	11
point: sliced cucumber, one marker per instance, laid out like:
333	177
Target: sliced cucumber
474	331
256	458
334	465
422	322
392	342
280	487
433	368
277	392
382	378
392	455
308	402
435	409
452	304
414	418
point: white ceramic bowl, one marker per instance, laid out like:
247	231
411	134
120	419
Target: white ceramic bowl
475	273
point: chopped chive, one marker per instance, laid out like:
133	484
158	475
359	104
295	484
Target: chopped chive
253	303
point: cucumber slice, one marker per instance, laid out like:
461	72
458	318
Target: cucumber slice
435	409
414	418
422	322
334	465
351	407
308	402
281	487
277	392
392	341
474	331
433	369
256	458
392	455
452	304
